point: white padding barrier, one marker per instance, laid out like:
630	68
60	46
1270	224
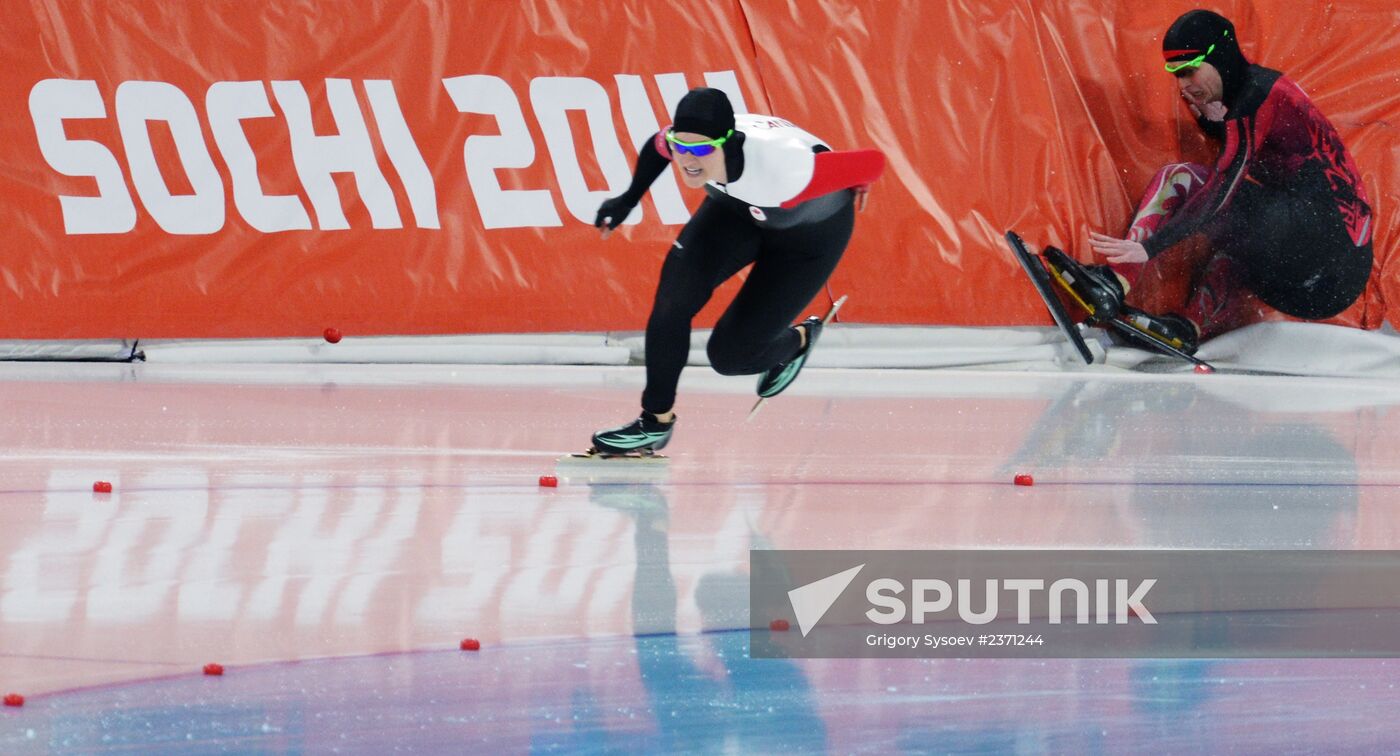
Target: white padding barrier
1287	348
111	351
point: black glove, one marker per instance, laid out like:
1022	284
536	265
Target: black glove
613	212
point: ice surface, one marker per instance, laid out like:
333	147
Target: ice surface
330	533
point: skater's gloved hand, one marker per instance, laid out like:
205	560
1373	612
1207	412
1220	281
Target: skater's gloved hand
612	213
1117	250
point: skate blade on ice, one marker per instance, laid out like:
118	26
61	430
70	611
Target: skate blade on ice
593	456
595	467
1045	281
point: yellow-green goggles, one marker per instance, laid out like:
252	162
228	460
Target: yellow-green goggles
1192	63
698	149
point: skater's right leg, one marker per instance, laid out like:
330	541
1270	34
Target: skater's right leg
1101	291
1296	251
1167	192
1272	259
711	248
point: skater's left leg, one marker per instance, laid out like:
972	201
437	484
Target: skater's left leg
755	333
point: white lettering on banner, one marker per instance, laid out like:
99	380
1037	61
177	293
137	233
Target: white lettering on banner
403	153
641	124
728	83
228	103
314	551
51	102
483	154
317	156
673	87
552	97
334	556
139	103
571	585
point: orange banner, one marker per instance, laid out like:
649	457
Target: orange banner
1049	118
262	169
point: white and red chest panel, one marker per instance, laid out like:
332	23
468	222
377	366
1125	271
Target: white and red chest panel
778	161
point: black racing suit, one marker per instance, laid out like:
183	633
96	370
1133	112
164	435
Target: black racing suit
793	253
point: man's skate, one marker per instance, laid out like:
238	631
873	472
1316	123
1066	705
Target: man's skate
1094	288
777	378
640	439
1172	332
1045	286
1096	293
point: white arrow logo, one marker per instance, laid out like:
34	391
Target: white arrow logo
810	602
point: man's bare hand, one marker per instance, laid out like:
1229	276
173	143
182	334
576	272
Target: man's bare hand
1214	111
1117	250
1211	111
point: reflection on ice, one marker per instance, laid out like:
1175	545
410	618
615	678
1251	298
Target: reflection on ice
358	521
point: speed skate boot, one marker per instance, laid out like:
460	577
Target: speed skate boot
1171	329
642	437
781	375
1095	288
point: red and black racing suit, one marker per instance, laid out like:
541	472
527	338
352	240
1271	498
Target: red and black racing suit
1284	200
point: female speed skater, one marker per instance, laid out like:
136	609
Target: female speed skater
777	198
